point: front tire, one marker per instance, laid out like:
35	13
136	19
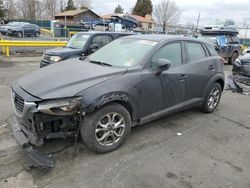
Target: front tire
212	98
107	128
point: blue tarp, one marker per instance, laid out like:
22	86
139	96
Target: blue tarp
221	40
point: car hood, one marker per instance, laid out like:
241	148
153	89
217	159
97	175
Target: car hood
63	52
66	79
245	58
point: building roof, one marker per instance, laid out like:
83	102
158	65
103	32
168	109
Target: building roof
74	12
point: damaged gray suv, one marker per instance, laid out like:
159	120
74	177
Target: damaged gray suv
131	81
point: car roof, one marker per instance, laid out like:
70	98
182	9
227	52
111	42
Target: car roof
105	32
161	37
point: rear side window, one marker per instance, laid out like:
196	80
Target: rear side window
102	40
170	52
195	51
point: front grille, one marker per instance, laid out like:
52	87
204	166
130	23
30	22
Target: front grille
19	102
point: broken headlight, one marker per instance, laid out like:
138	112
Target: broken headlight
66	106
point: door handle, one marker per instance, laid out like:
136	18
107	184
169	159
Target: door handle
211	67
182	76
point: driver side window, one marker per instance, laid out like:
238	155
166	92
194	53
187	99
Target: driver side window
171	52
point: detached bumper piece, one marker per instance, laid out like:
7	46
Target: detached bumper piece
35	158
240	84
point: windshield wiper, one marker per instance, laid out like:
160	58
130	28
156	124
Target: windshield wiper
101	63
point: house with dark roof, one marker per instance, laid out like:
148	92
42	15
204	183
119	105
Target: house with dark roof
83	15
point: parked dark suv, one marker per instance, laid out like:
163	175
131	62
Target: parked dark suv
227	46
131	81
4	28
83	43
24	29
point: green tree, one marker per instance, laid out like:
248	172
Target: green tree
70	5
143	7
2	11
118	10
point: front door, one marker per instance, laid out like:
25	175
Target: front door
168	88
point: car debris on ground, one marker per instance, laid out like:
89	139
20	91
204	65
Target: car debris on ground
240	80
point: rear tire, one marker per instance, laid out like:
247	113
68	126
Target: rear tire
107	128
233	58
37	34
212	99
19	34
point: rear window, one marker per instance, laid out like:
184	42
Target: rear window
195	51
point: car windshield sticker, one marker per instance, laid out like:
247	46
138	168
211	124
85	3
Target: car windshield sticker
148	42
129	62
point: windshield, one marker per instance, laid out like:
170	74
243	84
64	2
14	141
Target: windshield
12	23
123	52
78	41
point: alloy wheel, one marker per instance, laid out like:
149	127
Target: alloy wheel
214	98
110	129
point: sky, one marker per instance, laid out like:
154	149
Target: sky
210	10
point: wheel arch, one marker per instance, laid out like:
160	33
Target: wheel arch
115	97
221	82
235	51
218	78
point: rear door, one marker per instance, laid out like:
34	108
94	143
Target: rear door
27	29
200	68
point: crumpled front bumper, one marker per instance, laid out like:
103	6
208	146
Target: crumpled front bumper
35	158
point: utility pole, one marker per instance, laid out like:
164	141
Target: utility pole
197	24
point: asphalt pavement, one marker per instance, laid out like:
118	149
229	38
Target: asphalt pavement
212	150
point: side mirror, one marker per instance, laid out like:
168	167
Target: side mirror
94	47
162	65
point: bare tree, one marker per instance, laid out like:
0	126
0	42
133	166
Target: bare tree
31	12
62	5
51	7
27	9
167	12
22	8
9	5
40	10
83	4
